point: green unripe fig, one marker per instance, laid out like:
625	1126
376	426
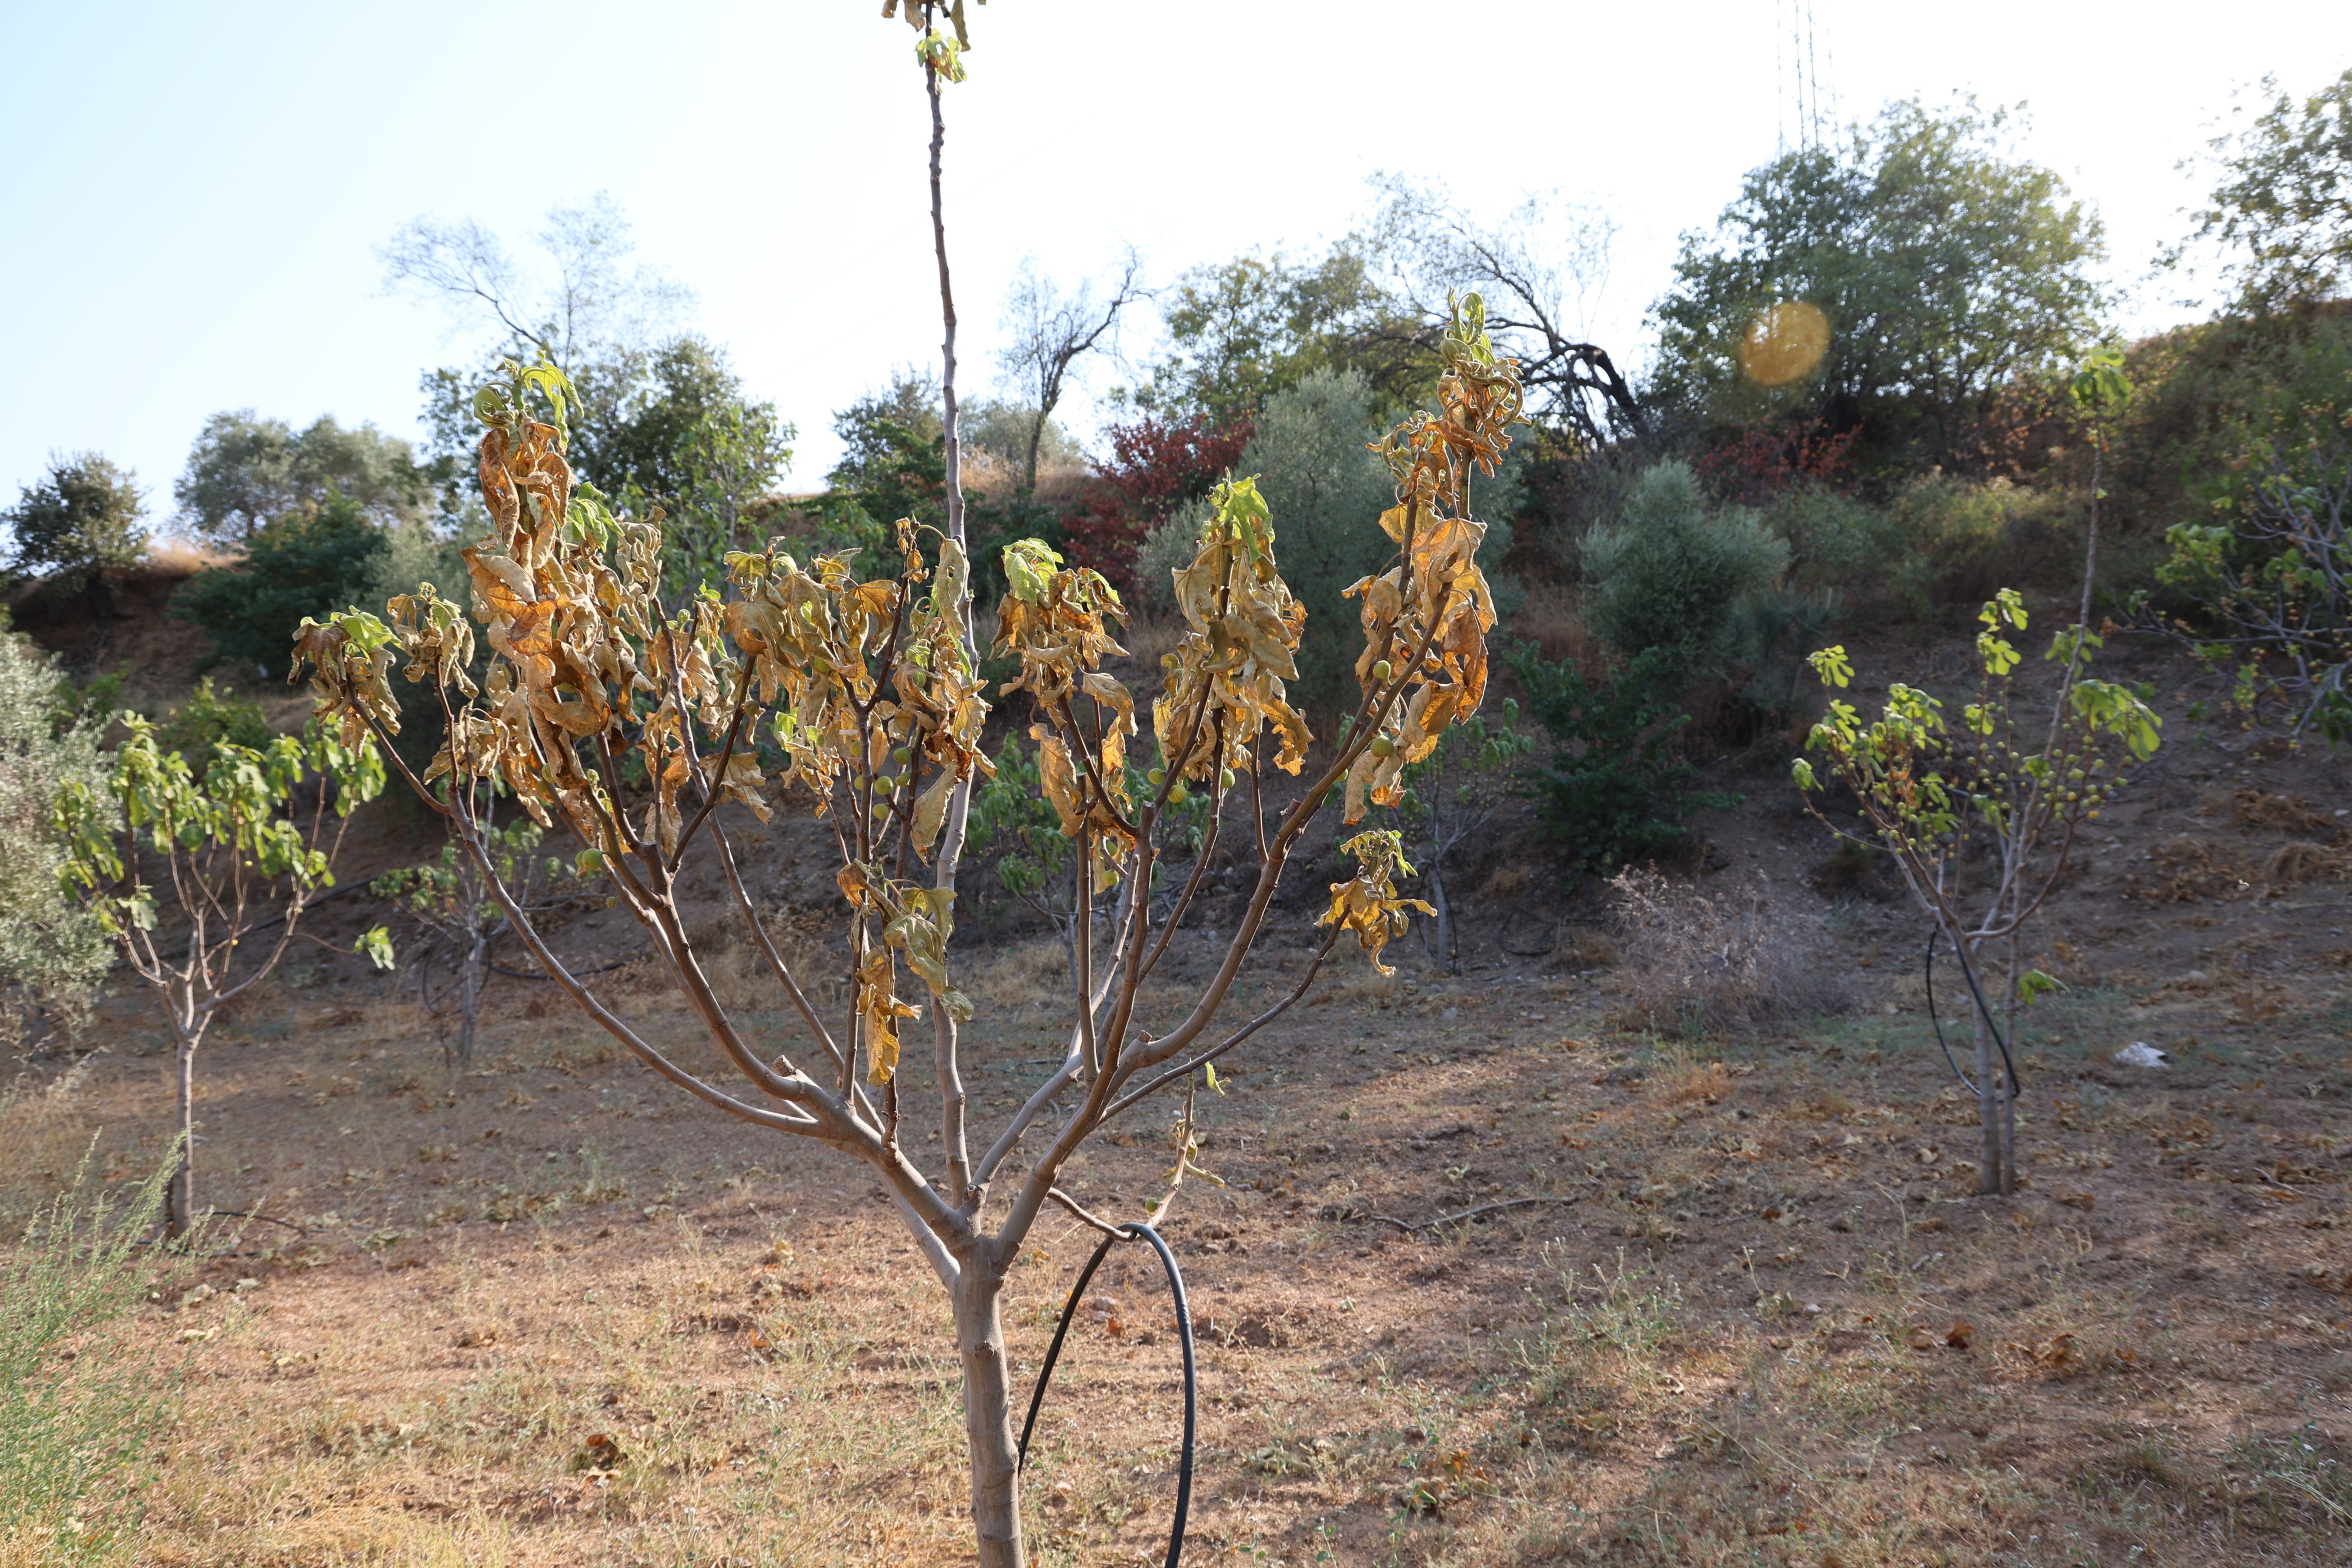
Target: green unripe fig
1225	778
1382	747
1178	795
1156	777
1383	672
902	754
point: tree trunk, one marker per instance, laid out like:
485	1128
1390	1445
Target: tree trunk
2091	550
470	997
1448	951
2011	1000
180	1201
1991	1086
988	1419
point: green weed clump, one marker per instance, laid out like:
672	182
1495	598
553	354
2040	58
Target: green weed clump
79	1407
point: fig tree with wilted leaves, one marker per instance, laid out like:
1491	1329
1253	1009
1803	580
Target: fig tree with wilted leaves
869	691
636	733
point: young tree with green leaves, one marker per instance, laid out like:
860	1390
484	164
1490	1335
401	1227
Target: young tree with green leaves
1978	819
227	856
452	902
1616	790
2268	588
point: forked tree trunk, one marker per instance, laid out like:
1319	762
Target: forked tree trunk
1996	1139
179	1197
988	1417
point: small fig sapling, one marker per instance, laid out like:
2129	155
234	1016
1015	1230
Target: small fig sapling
1928	791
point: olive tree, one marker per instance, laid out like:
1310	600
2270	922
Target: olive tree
51	951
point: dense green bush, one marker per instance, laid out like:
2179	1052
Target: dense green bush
210	717
1669	572
2259	594
83	515
1616	790
1955	541
1834	539
311	561
1166	551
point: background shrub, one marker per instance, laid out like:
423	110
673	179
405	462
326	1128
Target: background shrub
1309	454
1700	961
1615	791
51	951
1833	540
1954	540
1668	573
307	562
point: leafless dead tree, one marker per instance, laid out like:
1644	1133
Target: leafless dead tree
1048	330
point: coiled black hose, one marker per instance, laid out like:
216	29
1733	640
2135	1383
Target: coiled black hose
1130	1232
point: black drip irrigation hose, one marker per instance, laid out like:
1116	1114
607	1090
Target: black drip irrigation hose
1130	1232
495	967
2009	1064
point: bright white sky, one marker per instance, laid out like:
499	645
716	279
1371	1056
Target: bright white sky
194	193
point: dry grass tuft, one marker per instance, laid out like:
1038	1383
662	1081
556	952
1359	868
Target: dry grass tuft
2290	813
171	553
2298	862
1035	973
1701	962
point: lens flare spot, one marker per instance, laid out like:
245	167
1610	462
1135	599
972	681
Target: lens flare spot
1784	343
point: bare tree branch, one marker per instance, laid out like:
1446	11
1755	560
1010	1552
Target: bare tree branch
1048	330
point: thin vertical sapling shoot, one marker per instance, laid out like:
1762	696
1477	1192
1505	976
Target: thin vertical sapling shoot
870	692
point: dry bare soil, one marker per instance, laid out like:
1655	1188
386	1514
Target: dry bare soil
550	1311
